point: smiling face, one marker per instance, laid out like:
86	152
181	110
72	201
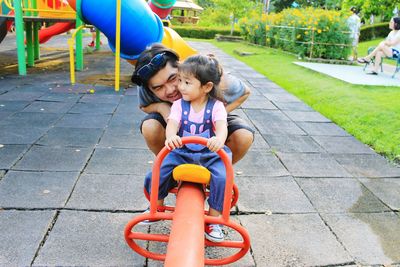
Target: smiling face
164	84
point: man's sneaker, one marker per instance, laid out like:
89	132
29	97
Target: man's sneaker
213	232
147	222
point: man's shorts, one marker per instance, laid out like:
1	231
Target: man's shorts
234	122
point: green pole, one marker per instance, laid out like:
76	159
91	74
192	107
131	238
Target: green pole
78	39
36	45
19	30
29	37
97	39
29	43
36	28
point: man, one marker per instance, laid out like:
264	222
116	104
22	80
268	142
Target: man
156	74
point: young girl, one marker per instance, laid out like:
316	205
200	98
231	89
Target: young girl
199	113
390	47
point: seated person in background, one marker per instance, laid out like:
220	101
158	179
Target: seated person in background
156	74
390	47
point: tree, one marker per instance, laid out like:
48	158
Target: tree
235	9
382	8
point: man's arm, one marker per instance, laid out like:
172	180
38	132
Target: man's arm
233	105
163	108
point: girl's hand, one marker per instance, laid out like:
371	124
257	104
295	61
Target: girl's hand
173	142
215	144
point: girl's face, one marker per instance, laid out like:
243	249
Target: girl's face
190	88
391	24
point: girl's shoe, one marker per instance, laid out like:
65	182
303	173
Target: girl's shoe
147	222
213	233
372	73
362	60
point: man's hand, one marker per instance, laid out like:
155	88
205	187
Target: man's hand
162	107
215	144
173	142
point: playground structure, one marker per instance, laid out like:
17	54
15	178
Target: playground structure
129	30
186	240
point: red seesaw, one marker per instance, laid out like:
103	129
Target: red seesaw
186	240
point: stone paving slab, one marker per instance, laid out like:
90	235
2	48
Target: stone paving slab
364	165
370	238
293	106
35	118
322	128
60	97
93	108
387	189
84	120
306	116
10	154
258	104
64	159
71	137
17	134
342	145
259	143
48	107
283	97
294	240
263	117
340	195
108	192
275	127
101	99
15	95
88	239
122	137
120	161
126	120
293	143
257	163
312	165
13	106
271	194
4	115
36	189
21	233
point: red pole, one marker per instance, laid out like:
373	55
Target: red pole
186	242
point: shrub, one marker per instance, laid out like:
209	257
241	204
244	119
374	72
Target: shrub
370	32
307	32
203	32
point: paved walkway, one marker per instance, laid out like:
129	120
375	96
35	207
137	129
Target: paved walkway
355	74
72	166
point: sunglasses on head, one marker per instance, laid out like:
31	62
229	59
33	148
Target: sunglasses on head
147	70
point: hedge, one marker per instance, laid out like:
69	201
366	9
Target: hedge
203	32
308	32
370	32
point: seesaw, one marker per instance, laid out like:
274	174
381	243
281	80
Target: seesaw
186	242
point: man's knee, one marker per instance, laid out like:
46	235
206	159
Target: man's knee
241	137
239	142
152	130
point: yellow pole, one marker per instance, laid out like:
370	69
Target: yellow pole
71	60
117	45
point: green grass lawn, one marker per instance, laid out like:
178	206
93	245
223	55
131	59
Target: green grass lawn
370	113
